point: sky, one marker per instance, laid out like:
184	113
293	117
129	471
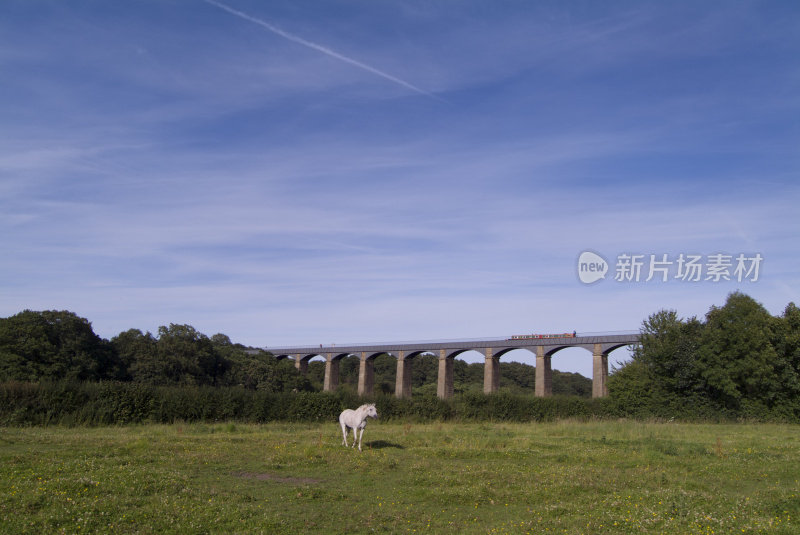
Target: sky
303	173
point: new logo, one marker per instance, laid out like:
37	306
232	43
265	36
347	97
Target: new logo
591	267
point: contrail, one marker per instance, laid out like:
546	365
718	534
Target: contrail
320	48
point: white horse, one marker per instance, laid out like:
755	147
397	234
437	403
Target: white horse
356	419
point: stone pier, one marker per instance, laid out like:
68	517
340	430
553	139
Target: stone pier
544	374
544	347
402	388
599	372
331	382
366	375
491	372
444	383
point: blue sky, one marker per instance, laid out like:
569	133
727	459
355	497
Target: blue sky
358	171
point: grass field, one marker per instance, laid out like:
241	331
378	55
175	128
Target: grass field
564	477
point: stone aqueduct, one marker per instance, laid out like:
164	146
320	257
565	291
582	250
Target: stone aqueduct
544	348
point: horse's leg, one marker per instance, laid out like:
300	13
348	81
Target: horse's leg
344	434
355	435
360	436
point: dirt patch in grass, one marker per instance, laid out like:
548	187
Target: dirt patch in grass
279	479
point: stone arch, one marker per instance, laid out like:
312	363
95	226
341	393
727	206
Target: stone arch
549	351
413	354
366	372
502	351
608	348
491	369
542	370
402	387
600	367
492	350
444	378
301	360
332	360
453	353
600	353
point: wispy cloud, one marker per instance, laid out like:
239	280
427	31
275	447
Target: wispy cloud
323	49
145	182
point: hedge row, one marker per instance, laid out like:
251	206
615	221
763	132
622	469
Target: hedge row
112	403
108	403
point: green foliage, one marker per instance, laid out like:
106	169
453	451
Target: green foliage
419	408
259	370
136	351
38	346
180	355
631	387
571	384
517	408
737	357
385	373
515	377
739	362
54	345
74	403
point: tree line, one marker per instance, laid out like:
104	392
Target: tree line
60	345
738	361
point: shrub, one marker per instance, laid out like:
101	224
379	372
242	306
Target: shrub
109	403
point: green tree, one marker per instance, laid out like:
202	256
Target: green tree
669	348
790	334
737	357
571	384
222	341
315	372
137	351
260	370
54	345
467	377
518	377
741	360
664	373
386	373
631	387
424	370
187	356
348	371
179	355
787	344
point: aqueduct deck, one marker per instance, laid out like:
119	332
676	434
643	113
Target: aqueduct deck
599	345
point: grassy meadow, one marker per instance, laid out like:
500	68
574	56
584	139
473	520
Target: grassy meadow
562	477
